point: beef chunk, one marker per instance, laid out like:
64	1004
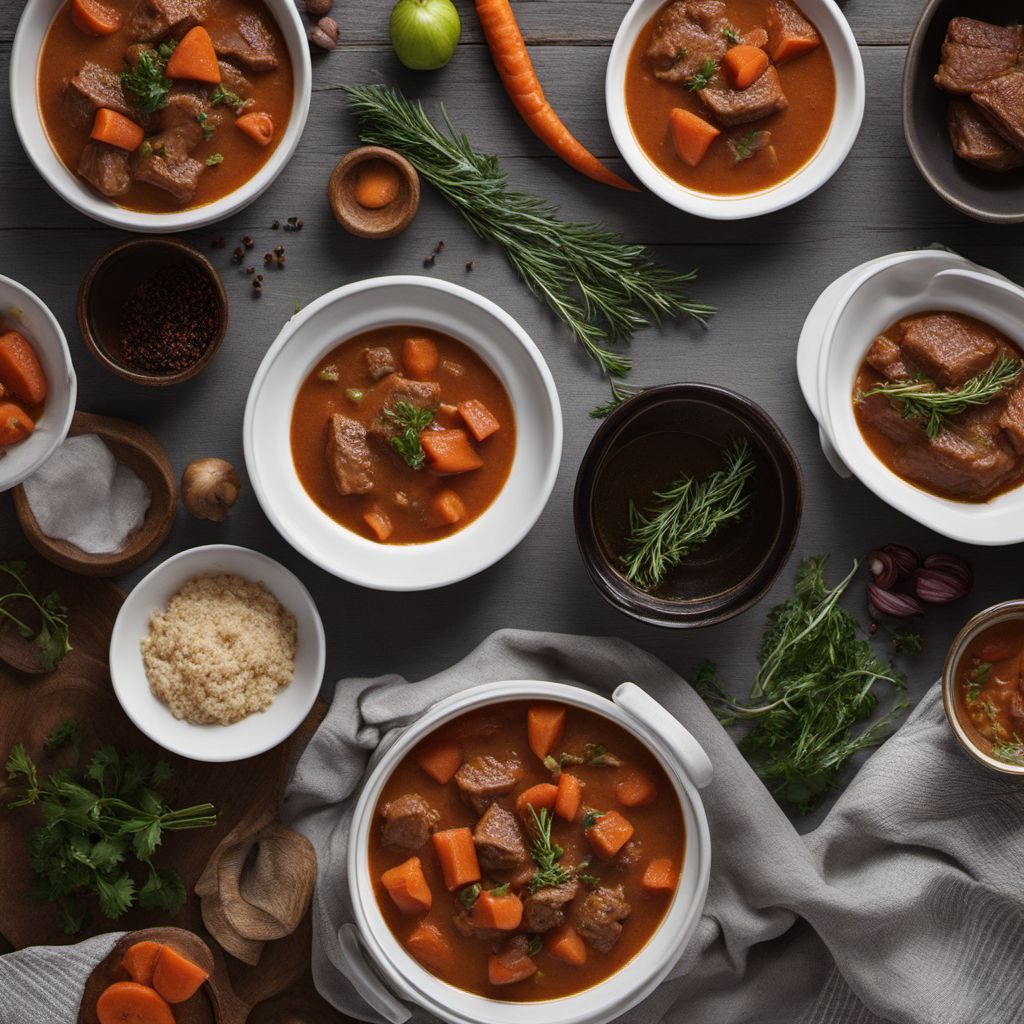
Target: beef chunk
947	348
689	33
483	779
976	141
174	173
409	822
755	37
234	81
740	106
106	168
513	950
247	40
93	87
499	841
180	127
629	856
790	34
951	464
348	455
393	389
883	415
545	909
379	361
152	20
1002	102
970	31
1011	419
975	52
600	916
886	356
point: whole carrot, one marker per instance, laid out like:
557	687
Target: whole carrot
524	89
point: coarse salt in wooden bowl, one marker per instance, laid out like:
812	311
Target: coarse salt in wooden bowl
364	222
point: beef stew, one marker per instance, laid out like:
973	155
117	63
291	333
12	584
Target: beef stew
164	105
23	388
545	850
730	97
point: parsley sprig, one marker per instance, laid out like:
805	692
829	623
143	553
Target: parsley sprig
411	420
147	83
52	635
702	79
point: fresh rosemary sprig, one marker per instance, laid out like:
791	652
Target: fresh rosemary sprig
602	287
545	853
410	419
702	79
1011	751
685	515
731	34
919	399
52	635
621	392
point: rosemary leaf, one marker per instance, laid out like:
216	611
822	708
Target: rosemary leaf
410	420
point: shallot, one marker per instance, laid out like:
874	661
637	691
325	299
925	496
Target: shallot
899	606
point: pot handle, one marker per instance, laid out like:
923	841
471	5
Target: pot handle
643	707
365	980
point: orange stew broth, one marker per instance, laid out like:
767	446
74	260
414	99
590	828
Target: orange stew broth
501	731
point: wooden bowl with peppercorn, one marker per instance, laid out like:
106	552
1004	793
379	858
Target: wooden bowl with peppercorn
153	311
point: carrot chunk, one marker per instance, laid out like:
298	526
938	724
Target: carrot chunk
140	959
195	58
999	650
440	761
565	943
545	724
540	797
15	423
379	522
450	452
446	508
116	130
480	421
127	1002
457	853
94	18
503	912
175	977
691	135
609	834
407	886
659	875
427	943
513	963
635	788
567	797
790	34
20	370
745	65
420	357
258	126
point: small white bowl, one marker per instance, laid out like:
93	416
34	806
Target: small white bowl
216	743
842	133
423	302
28	42
23	311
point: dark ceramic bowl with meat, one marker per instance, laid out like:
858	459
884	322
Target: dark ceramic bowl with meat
641	448
963	106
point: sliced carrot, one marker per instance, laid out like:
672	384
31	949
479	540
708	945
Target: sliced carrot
609	834
745	65
407	886
440	761
139	961
503	913
999	650
545	724
479	419
116	130
127	1002
510	966
377	184
427	943
567	797
379	522
450	452
457	853
258	126
94	18
446	508
790	34
659	875
565	943
540	797
195	58
691	135
420	357
20	370
15	423
635	788
175	977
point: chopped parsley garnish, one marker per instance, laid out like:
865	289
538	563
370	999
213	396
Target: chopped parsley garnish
731	34
469	895
214	158
535	946
204	122
976	679
681	54
147	84
590	819
748	145
702	79
227	97
51	634
411	420
1011	751
595	755
908	643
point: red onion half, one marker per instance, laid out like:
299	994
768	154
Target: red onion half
899	606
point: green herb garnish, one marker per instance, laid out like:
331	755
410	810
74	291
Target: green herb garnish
620	393
470	894
535	946
702	79
748	145
589	880
146	84
52	634
204	122
227	97
681	54
214	158
329	375
731	34
591	817
545	853
908	643
594	755
411	420
920	400
1011	751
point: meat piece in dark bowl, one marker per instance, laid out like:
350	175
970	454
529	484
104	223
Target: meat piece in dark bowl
600	917
348	455
741	106
409	821
1002	102
484	779
499	840
977	142
545	909
975	52
690	32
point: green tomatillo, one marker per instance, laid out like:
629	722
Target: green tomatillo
424	33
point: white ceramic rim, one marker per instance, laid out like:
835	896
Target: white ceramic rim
972	291
44	333
842	133
216	744
615	995
28	40
450	308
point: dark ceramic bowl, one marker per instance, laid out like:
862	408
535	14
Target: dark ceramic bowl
992	196
644	444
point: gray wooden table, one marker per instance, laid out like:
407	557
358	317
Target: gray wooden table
763	275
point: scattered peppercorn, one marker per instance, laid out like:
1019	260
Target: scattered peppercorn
247	242
873	628
294	224
238	255
278	250
250	270
275	225
440	247
268	258
469	265
429	261
218	242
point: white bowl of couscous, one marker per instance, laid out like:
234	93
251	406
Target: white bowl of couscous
218	654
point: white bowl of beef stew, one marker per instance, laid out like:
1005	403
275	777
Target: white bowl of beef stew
907	326
369	496
614	967
187	163
774	142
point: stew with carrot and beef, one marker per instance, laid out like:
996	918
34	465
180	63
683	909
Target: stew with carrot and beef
730	96
22	388
526	851
403	434
939	399
990	691
164	105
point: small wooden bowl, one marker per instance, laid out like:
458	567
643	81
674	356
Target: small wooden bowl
117	273
139	450
389	220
